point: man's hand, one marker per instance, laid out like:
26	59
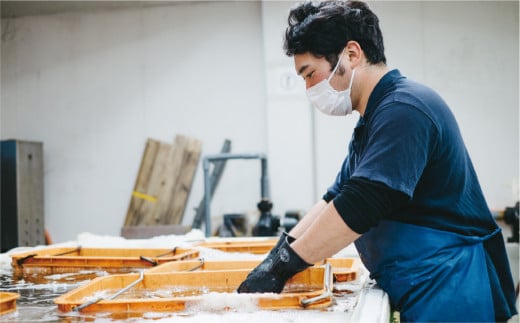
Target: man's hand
264	265
271	275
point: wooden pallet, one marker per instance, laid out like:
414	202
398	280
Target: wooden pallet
310	288
164	181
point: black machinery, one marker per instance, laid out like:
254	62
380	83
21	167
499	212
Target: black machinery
511	218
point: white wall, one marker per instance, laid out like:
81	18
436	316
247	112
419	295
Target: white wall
93	85
468	52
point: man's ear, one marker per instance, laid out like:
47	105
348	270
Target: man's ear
354	52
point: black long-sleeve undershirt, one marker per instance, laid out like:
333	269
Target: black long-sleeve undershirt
363	203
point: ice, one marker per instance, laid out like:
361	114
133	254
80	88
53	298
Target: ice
249	317
90	240
214	254
214	307
223	302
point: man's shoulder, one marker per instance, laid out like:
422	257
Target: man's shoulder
414	93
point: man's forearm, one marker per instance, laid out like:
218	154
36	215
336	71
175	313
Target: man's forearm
327	235
308	219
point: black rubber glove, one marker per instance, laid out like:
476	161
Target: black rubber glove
271	275
269	259
266	263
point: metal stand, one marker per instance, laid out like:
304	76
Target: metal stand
264	180
216	174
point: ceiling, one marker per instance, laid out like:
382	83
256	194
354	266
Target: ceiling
10	9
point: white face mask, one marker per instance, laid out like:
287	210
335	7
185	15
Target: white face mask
328	100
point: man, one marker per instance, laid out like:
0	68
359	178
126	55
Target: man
407	194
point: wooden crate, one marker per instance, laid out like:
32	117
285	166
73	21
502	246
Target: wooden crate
66	260
201	264
8	302
343	269
260	246
188	289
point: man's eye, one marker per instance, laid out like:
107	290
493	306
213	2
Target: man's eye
309	75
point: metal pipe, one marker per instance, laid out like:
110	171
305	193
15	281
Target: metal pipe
264	180
328	290
111	297
199	265
207	197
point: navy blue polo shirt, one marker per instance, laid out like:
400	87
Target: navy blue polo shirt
409	140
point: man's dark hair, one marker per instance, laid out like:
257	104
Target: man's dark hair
323	29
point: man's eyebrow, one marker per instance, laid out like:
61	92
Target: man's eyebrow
302	69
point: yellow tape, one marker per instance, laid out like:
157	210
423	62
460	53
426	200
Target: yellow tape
144	196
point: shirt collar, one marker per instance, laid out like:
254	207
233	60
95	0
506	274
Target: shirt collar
385	85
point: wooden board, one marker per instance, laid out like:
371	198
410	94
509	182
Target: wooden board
179	174
148	183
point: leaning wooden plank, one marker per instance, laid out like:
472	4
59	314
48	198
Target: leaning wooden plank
184	180
179	174
164	195
147	214
142	181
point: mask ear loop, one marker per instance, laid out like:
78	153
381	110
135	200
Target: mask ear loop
337	65
351	79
